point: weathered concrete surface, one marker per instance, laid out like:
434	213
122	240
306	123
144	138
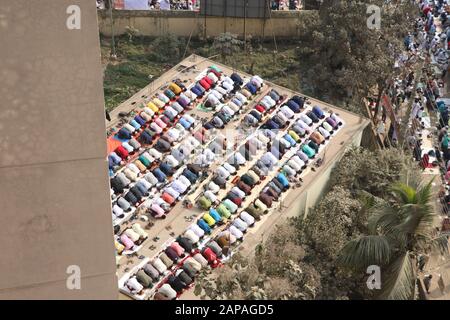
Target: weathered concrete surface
54	190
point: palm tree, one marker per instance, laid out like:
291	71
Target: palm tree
399	230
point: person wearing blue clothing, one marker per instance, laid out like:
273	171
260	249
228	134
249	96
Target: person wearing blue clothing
124	134
139	120
237	102
290	140
318	112
237	79
311	153
293	106
111	164
166	169
256	115
196	91
184	123
407	41
183	101
432	30
251	88
135	124
159	175
276	5
215	215
192	177
205	227
299	100
145	138
283	180
142	187
272	125
200	89
313	116
114	158
274	95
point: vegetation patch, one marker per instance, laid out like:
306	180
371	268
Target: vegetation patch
142	59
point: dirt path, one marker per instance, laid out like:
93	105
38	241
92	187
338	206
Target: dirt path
438	264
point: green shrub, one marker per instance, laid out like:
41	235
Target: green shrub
167	48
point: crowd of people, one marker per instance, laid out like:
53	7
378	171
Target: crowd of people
234	188
149	4
430	41
181	4
421	70
416	96
286	4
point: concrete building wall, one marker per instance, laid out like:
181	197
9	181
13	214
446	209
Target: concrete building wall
316	192
283	24
311	197
54	188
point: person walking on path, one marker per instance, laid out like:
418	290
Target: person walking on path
423	259
441	284
427	282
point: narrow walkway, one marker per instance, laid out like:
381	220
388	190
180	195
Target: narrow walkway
438	264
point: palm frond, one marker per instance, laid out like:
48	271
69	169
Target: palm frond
359	253
367	199
415	207
419	220
425	193
384	218
439	244
410	178
398	279
426	223
403	192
